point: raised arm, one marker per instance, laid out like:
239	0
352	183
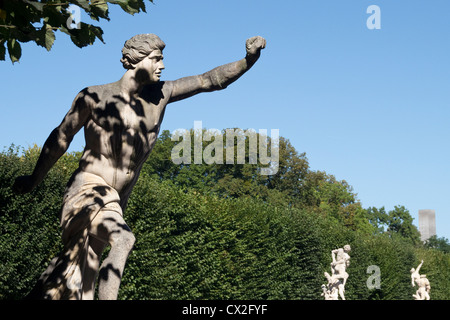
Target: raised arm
218	78
420	266
56	144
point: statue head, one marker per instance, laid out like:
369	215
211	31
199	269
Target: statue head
139	47
347	248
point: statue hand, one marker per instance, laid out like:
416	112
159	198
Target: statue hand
254	45
23	184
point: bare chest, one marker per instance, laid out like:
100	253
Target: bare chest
138	115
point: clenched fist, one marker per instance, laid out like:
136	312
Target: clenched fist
254	45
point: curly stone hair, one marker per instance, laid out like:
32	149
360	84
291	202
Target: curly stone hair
139	47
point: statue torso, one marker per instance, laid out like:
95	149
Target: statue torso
121	132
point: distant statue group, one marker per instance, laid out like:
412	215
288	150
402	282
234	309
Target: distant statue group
423	292
338	278
335	287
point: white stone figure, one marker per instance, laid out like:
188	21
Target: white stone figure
331	290
423	292
339	275
415	276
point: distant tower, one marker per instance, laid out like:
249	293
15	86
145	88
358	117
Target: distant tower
427	224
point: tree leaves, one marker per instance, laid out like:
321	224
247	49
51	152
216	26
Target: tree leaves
294	183
14	49
37	21
37	5
2	50
85	35
398	223
45	37
49	37
99	9
130	6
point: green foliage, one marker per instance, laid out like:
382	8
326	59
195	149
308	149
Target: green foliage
294	184
29	226
394	260
192	243
196	246
37	21
436	267
396	223
439	243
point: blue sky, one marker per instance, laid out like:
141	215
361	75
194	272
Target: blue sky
368	106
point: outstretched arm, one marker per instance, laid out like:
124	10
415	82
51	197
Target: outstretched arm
420	266
55	145
220	77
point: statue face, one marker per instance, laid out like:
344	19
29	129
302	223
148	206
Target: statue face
150	68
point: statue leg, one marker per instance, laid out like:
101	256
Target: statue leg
344	278
92	265
109	227
341	291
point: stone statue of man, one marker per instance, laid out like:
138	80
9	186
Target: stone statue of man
423	292
121	122
415	275
338	279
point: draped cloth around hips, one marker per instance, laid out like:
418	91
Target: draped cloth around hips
85	196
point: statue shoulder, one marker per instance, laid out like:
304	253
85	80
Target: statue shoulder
93	95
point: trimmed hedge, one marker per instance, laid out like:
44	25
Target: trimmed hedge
201	246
